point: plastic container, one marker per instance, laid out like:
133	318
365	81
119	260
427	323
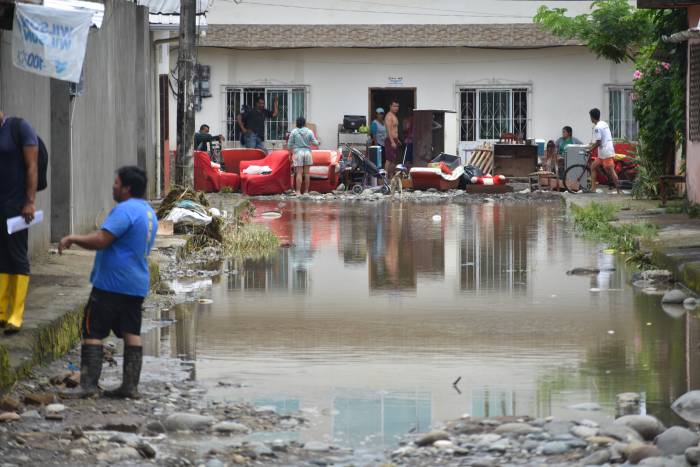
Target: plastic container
540	146
375	155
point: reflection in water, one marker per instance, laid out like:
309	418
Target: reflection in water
379	418
373	310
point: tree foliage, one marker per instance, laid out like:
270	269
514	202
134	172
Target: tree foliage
613	29
617	31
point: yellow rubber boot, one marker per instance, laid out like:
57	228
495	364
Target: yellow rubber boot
19	284
4	297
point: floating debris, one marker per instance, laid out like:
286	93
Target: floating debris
271	215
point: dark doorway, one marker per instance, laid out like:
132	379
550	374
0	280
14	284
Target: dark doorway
382	97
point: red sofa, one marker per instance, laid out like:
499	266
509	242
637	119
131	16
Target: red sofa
233	158
274	183
324	172
209	178
621	147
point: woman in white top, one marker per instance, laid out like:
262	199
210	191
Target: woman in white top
606	150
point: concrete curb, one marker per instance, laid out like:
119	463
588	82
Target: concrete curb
58	290
44	344
676	246
685	267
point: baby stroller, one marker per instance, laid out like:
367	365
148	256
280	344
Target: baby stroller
360	170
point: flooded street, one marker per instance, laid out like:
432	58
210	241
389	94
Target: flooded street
371	311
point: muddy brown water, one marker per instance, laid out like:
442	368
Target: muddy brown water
372	311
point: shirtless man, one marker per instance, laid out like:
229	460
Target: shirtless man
392	143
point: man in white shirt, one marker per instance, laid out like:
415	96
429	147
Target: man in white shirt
606	151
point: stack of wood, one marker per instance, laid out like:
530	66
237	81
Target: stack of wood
482	157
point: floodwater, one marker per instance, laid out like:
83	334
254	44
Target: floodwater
372	311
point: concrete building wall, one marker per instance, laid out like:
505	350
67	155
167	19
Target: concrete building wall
384	12
110	124
565	82
28	96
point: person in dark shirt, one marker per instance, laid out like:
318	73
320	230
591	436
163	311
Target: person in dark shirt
18	183
203	139
252	123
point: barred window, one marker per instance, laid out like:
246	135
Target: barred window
292	104
694	96
487	113
622	122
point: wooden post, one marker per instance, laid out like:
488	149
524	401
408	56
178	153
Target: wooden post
184	167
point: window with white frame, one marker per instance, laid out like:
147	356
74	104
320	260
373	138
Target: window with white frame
292	104
486	113
620	113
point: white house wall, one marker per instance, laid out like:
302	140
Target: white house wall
382	11
565	82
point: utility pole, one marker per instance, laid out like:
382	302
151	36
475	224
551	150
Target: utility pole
184	168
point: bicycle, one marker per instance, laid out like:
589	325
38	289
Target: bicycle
577	178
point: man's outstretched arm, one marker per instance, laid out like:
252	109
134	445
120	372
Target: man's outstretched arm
97	240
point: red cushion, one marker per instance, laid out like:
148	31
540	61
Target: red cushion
230	180
234	157
210	179
273	183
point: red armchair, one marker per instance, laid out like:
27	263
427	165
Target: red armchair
324	171
274	183
234	157
209	178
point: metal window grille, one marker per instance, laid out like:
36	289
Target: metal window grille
621	114
694	93
291	102
487	113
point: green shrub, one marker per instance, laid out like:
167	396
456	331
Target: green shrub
598	222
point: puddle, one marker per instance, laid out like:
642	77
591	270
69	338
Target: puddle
374	310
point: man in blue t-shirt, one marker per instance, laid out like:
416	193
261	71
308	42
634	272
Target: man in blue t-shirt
120	280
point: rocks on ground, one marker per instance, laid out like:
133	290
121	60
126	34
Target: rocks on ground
674	296
676	440
688	407
647	426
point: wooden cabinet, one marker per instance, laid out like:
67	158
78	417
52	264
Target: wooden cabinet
434	131
514	160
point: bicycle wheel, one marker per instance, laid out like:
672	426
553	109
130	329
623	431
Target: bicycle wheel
577	178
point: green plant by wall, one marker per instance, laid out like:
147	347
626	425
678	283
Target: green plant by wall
598	222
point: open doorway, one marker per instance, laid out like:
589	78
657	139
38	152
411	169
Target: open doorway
382	97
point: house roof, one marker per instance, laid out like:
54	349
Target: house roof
293	36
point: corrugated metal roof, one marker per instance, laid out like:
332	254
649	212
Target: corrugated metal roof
172	21
98	9
171	7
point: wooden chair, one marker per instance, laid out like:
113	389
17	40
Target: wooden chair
483	159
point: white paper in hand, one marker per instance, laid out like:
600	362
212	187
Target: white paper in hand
15	224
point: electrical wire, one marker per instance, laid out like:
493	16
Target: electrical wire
449	14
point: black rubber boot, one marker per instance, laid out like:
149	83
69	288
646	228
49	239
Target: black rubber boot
133	358
90	371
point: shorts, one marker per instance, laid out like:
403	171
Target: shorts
302	157
109	311
608	162
390	152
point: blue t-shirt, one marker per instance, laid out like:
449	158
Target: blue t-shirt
13	174
123	266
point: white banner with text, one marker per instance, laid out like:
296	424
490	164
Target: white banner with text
50	42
